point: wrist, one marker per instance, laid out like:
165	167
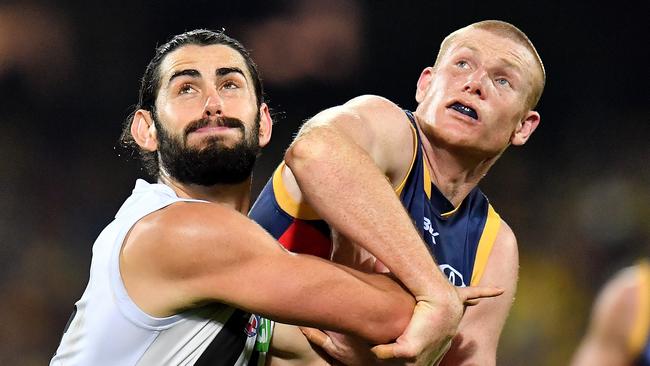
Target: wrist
444	304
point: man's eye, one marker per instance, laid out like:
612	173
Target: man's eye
186	89
462	64
503	82
230	85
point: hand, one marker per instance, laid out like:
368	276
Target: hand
433	325
347	350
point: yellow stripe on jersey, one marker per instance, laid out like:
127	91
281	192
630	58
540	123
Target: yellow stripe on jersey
447	214
639	335
485	244
299	210
427	179
400	187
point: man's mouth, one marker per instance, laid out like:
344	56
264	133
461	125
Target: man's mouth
461	108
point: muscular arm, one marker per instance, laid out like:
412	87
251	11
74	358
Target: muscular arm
613	317
189	254
341	160
479	330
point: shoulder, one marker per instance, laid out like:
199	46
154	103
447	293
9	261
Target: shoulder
497	258
505	236
185	221
502	265
375	109
377	125
182	238
173	258
616	306
615	335
366	109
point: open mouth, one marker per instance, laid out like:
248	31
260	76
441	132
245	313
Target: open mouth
461	108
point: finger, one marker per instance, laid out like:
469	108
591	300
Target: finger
317	337
472	293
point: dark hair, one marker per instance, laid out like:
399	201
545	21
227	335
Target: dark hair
150	84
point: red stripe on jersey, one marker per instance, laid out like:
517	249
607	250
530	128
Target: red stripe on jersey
301	237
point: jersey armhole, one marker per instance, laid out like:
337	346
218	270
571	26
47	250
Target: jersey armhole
485	244
298	210
427	180
129	309
639	335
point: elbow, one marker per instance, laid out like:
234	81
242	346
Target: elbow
390	321
309	150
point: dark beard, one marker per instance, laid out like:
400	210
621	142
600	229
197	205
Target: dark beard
212	164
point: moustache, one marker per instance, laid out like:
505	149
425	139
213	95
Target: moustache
219	122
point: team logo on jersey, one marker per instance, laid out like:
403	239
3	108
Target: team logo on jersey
454	277
264	331
429	228
251	327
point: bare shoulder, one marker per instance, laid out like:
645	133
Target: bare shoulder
365	109
616	305
375	124
183	228
169	254
502	265
609	339
503	262
376	109
506	237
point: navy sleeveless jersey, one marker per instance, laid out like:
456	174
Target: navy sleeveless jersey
460	238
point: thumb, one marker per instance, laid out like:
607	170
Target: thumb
384	351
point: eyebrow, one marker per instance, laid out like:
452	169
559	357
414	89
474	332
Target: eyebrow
228	70
195	74
508	64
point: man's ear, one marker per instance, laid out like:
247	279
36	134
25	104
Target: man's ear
144	131
266	125
423	83
525	128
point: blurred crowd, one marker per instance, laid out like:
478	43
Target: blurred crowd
576	195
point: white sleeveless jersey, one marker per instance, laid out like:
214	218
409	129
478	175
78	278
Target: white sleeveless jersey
108	328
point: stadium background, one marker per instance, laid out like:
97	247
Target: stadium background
576	195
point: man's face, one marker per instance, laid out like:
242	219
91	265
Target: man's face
475	98
207	119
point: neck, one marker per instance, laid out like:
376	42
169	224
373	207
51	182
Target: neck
235	196
453	172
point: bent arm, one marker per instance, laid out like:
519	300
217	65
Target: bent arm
481	326
189	254
344	161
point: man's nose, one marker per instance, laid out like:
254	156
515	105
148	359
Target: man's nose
474	84
213	106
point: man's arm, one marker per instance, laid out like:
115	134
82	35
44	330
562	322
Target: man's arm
612	319
342	164
344	160
481	326
190	254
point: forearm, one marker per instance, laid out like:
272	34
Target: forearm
349	191
309	291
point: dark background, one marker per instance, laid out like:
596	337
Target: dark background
576	195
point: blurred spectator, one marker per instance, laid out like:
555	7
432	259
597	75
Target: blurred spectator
319	40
